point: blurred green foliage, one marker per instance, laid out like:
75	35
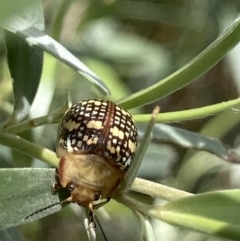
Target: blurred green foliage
130	45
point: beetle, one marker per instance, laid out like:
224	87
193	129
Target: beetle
96	142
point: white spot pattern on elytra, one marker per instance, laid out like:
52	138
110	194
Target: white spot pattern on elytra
98	126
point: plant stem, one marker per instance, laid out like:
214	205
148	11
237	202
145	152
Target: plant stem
142	118
54	117
157	190
28	148
28	124
189	114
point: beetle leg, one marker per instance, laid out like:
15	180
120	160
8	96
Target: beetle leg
56	185
98	205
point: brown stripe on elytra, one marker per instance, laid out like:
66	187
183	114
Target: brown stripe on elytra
105	132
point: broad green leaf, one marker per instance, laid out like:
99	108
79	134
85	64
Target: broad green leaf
24	191
215	213
24	61
11	234
189	72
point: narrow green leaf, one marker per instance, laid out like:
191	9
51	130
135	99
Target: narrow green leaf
186	139
48	44
215	213
189	72
24	61
24	191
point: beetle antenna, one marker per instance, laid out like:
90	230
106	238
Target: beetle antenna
93	216
47	207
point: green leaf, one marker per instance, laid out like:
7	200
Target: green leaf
24	61
11	234
215	213
189	72
41	40
24	191
186	139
